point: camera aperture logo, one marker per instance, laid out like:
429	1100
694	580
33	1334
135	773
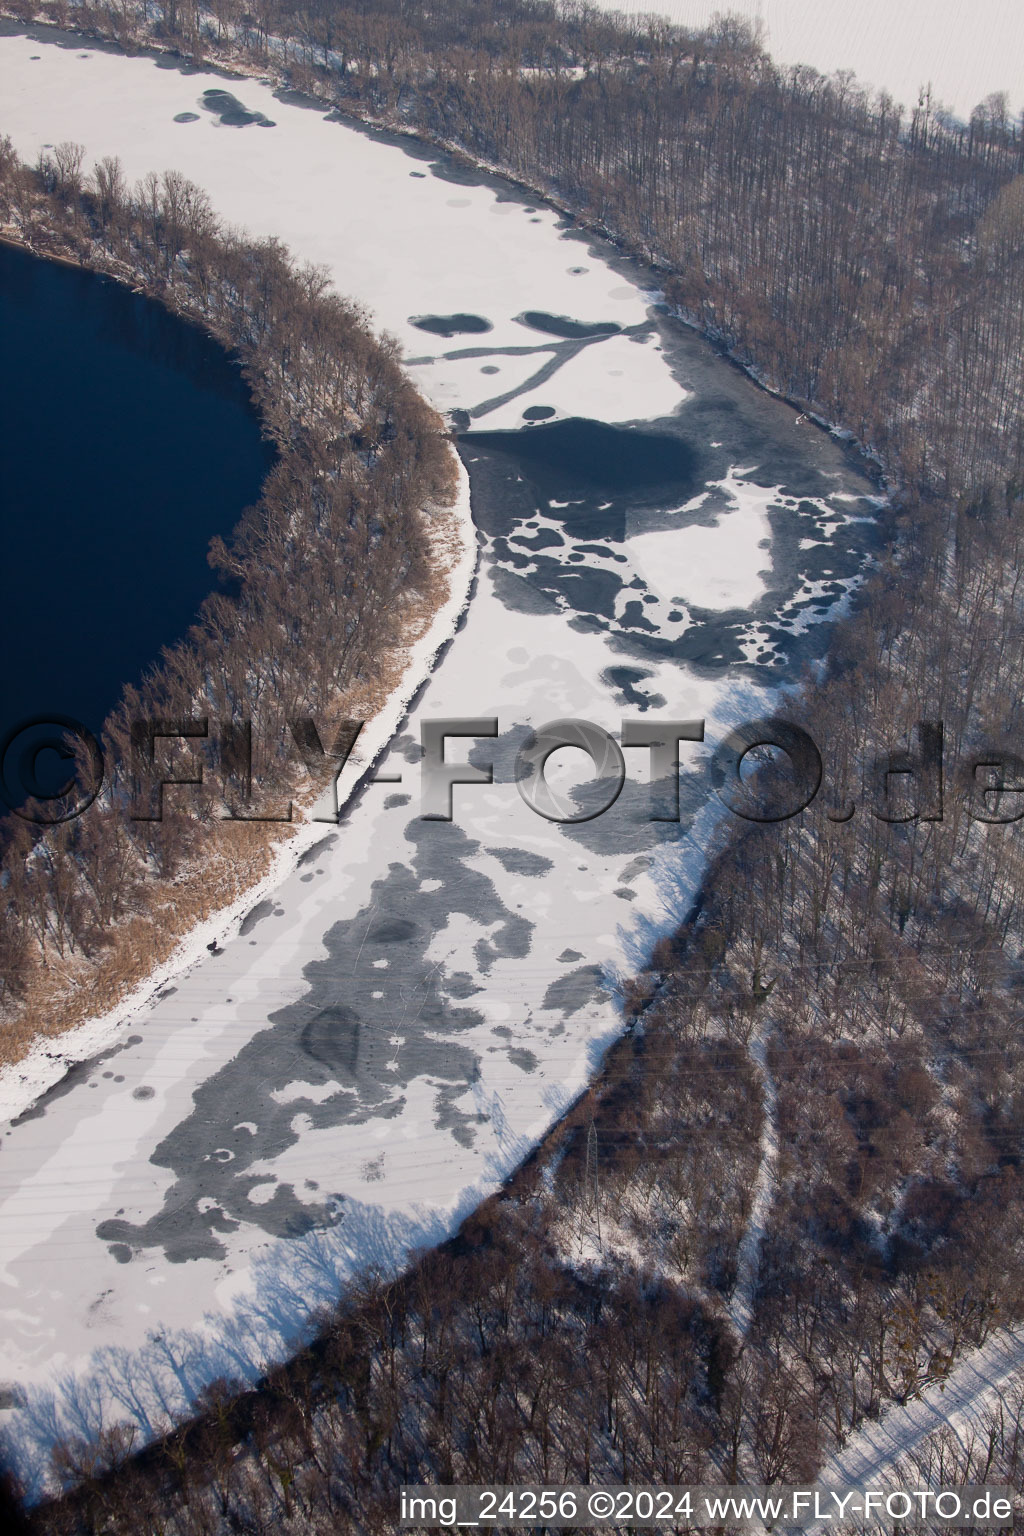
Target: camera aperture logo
51	769
766	770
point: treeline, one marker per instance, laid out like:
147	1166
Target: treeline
587	1323
988	1449
855	253
318	580
489	1361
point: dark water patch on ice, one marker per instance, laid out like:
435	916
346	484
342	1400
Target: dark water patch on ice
627	683
462	985
603	499
510	556
261	910
583	588
451	325
510	941
457	173
392	930
461	1124
293	98
519	594
163	61
593	467
332	1038
544	538
500	754
574	990
519	861
186	117
74	1077
77	1074
603	552
230	112
318	850
538	412
567	329
627	827
408	747
360	1034
635	867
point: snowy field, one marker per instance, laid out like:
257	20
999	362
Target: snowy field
965	49
387	1031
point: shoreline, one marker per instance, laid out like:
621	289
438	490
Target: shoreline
46	1062
43	1066
49	1059
251	896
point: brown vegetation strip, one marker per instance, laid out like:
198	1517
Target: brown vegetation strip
330	578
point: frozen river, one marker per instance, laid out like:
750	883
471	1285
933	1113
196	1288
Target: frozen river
381	1038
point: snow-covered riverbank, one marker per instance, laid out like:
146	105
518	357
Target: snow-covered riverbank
386	1032
47	1064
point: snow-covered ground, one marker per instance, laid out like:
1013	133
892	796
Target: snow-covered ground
382	1037
965	49
748	1259
960	1403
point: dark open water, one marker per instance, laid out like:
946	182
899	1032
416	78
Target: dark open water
127	440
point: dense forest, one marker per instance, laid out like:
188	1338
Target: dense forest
321	581
793	1196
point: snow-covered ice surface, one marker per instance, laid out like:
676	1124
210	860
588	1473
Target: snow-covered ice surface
382	1037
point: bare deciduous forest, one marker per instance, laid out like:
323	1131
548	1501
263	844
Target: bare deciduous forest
842	1014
